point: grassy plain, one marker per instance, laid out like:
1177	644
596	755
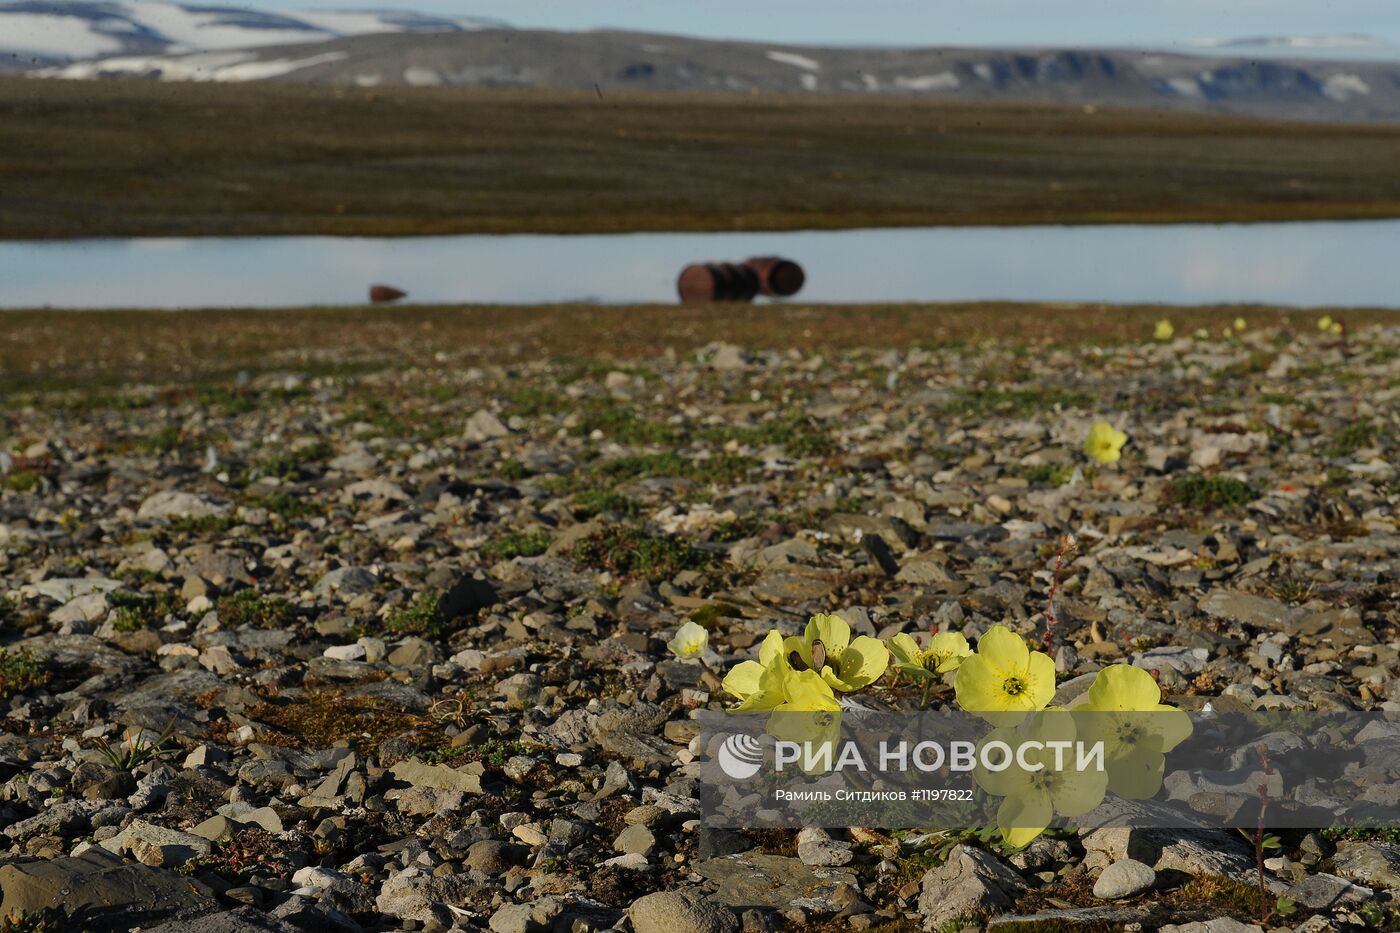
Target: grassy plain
41	350
131	158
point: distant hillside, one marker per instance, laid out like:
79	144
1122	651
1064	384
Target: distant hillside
174	43
39	33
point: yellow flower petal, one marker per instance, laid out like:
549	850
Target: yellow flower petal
949	648
1075	793
771	649
770	693
978	686
1024	816
743	679
1136	777
906	650
863	662
1040	680
690	641
1123	687
803	650
832	630
806	690
1003	650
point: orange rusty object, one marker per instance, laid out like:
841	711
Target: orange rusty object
383	294
716	281
777	277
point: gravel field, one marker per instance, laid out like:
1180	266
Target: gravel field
305	630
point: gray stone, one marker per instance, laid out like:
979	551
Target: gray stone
98	881
520	691
756	879
681	912
1369	863
345	582
971	882
1258	611
1218	925
494	856
466	779
156	845
535	917
66	589
1328	892
173	504
238	920
1180	659
1194	851
635	840
484	426
1124	879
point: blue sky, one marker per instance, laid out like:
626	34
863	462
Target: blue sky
927	22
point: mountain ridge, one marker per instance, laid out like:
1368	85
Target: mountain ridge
402	48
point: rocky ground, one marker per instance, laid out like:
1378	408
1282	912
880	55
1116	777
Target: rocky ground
386	649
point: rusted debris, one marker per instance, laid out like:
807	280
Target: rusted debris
383	294
727	281
777	277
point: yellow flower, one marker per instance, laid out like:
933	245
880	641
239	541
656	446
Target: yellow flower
1240	324
1324	323
1004	677
770	683
826	647
1052	783
944	654
1124	710
1202	334
1336	329
1104	443
1164	330
690	641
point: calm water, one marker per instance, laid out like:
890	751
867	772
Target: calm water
1334	263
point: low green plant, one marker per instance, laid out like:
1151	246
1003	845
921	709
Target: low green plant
420	617
286	504
621	423
248	607
20	671
632	552
23	481
166	440
1357	435
203	525
136	749
598	501
1211	492
136	611
725	468
517	544
1048	474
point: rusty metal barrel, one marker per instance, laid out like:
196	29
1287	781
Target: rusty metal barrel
383	294
777	277
717	281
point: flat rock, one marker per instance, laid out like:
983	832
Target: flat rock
238	920
156	845
174	504
681	912
1369	863
1124	879
1259	612
755	879
971	882
466	779
114	894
